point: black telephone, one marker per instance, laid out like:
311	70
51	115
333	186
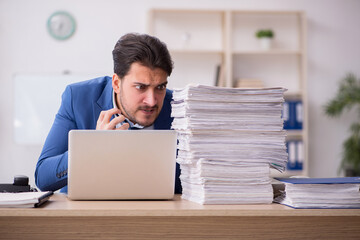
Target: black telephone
21	184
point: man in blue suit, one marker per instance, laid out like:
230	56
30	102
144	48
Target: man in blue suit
134	98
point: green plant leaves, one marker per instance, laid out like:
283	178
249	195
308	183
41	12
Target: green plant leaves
348	96
262	33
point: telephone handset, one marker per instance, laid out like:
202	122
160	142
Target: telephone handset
21	184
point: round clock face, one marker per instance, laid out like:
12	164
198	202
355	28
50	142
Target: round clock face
61	25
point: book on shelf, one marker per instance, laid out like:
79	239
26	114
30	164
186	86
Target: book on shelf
320	192
220	76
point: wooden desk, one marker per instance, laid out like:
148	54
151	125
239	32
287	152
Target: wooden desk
178	219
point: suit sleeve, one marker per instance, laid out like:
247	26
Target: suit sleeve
51	168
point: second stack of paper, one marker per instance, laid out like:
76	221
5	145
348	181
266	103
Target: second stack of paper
228	139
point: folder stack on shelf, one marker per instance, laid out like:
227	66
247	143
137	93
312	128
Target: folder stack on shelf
228	140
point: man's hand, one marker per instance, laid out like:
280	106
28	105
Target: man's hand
104	123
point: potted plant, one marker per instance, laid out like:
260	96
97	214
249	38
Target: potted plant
265	37
347	97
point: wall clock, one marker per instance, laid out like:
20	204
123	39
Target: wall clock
61	25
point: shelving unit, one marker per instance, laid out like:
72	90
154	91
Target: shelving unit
200	41
184	32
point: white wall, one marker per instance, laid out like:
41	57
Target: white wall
26	47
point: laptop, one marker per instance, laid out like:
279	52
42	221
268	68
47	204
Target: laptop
121	165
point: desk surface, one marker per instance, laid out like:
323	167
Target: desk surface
60	205
61	218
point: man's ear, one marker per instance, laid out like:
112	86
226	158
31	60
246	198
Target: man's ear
116	83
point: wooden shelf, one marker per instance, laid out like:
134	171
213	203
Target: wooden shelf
267	12
295	133
267	52
195	51
291	95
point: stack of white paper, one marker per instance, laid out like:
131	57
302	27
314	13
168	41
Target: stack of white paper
23	199
320	192
228	138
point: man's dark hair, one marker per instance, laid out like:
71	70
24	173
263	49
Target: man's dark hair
142	48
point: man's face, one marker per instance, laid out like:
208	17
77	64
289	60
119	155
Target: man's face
140	94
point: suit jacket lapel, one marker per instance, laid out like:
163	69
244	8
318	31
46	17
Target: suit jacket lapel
105	100
164	120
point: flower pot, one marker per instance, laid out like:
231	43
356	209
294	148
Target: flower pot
265	43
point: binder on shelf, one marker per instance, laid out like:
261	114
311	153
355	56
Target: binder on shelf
291	155
298	115
295	149
300	154
285	115
293	115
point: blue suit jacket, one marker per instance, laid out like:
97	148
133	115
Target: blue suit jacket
80	108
